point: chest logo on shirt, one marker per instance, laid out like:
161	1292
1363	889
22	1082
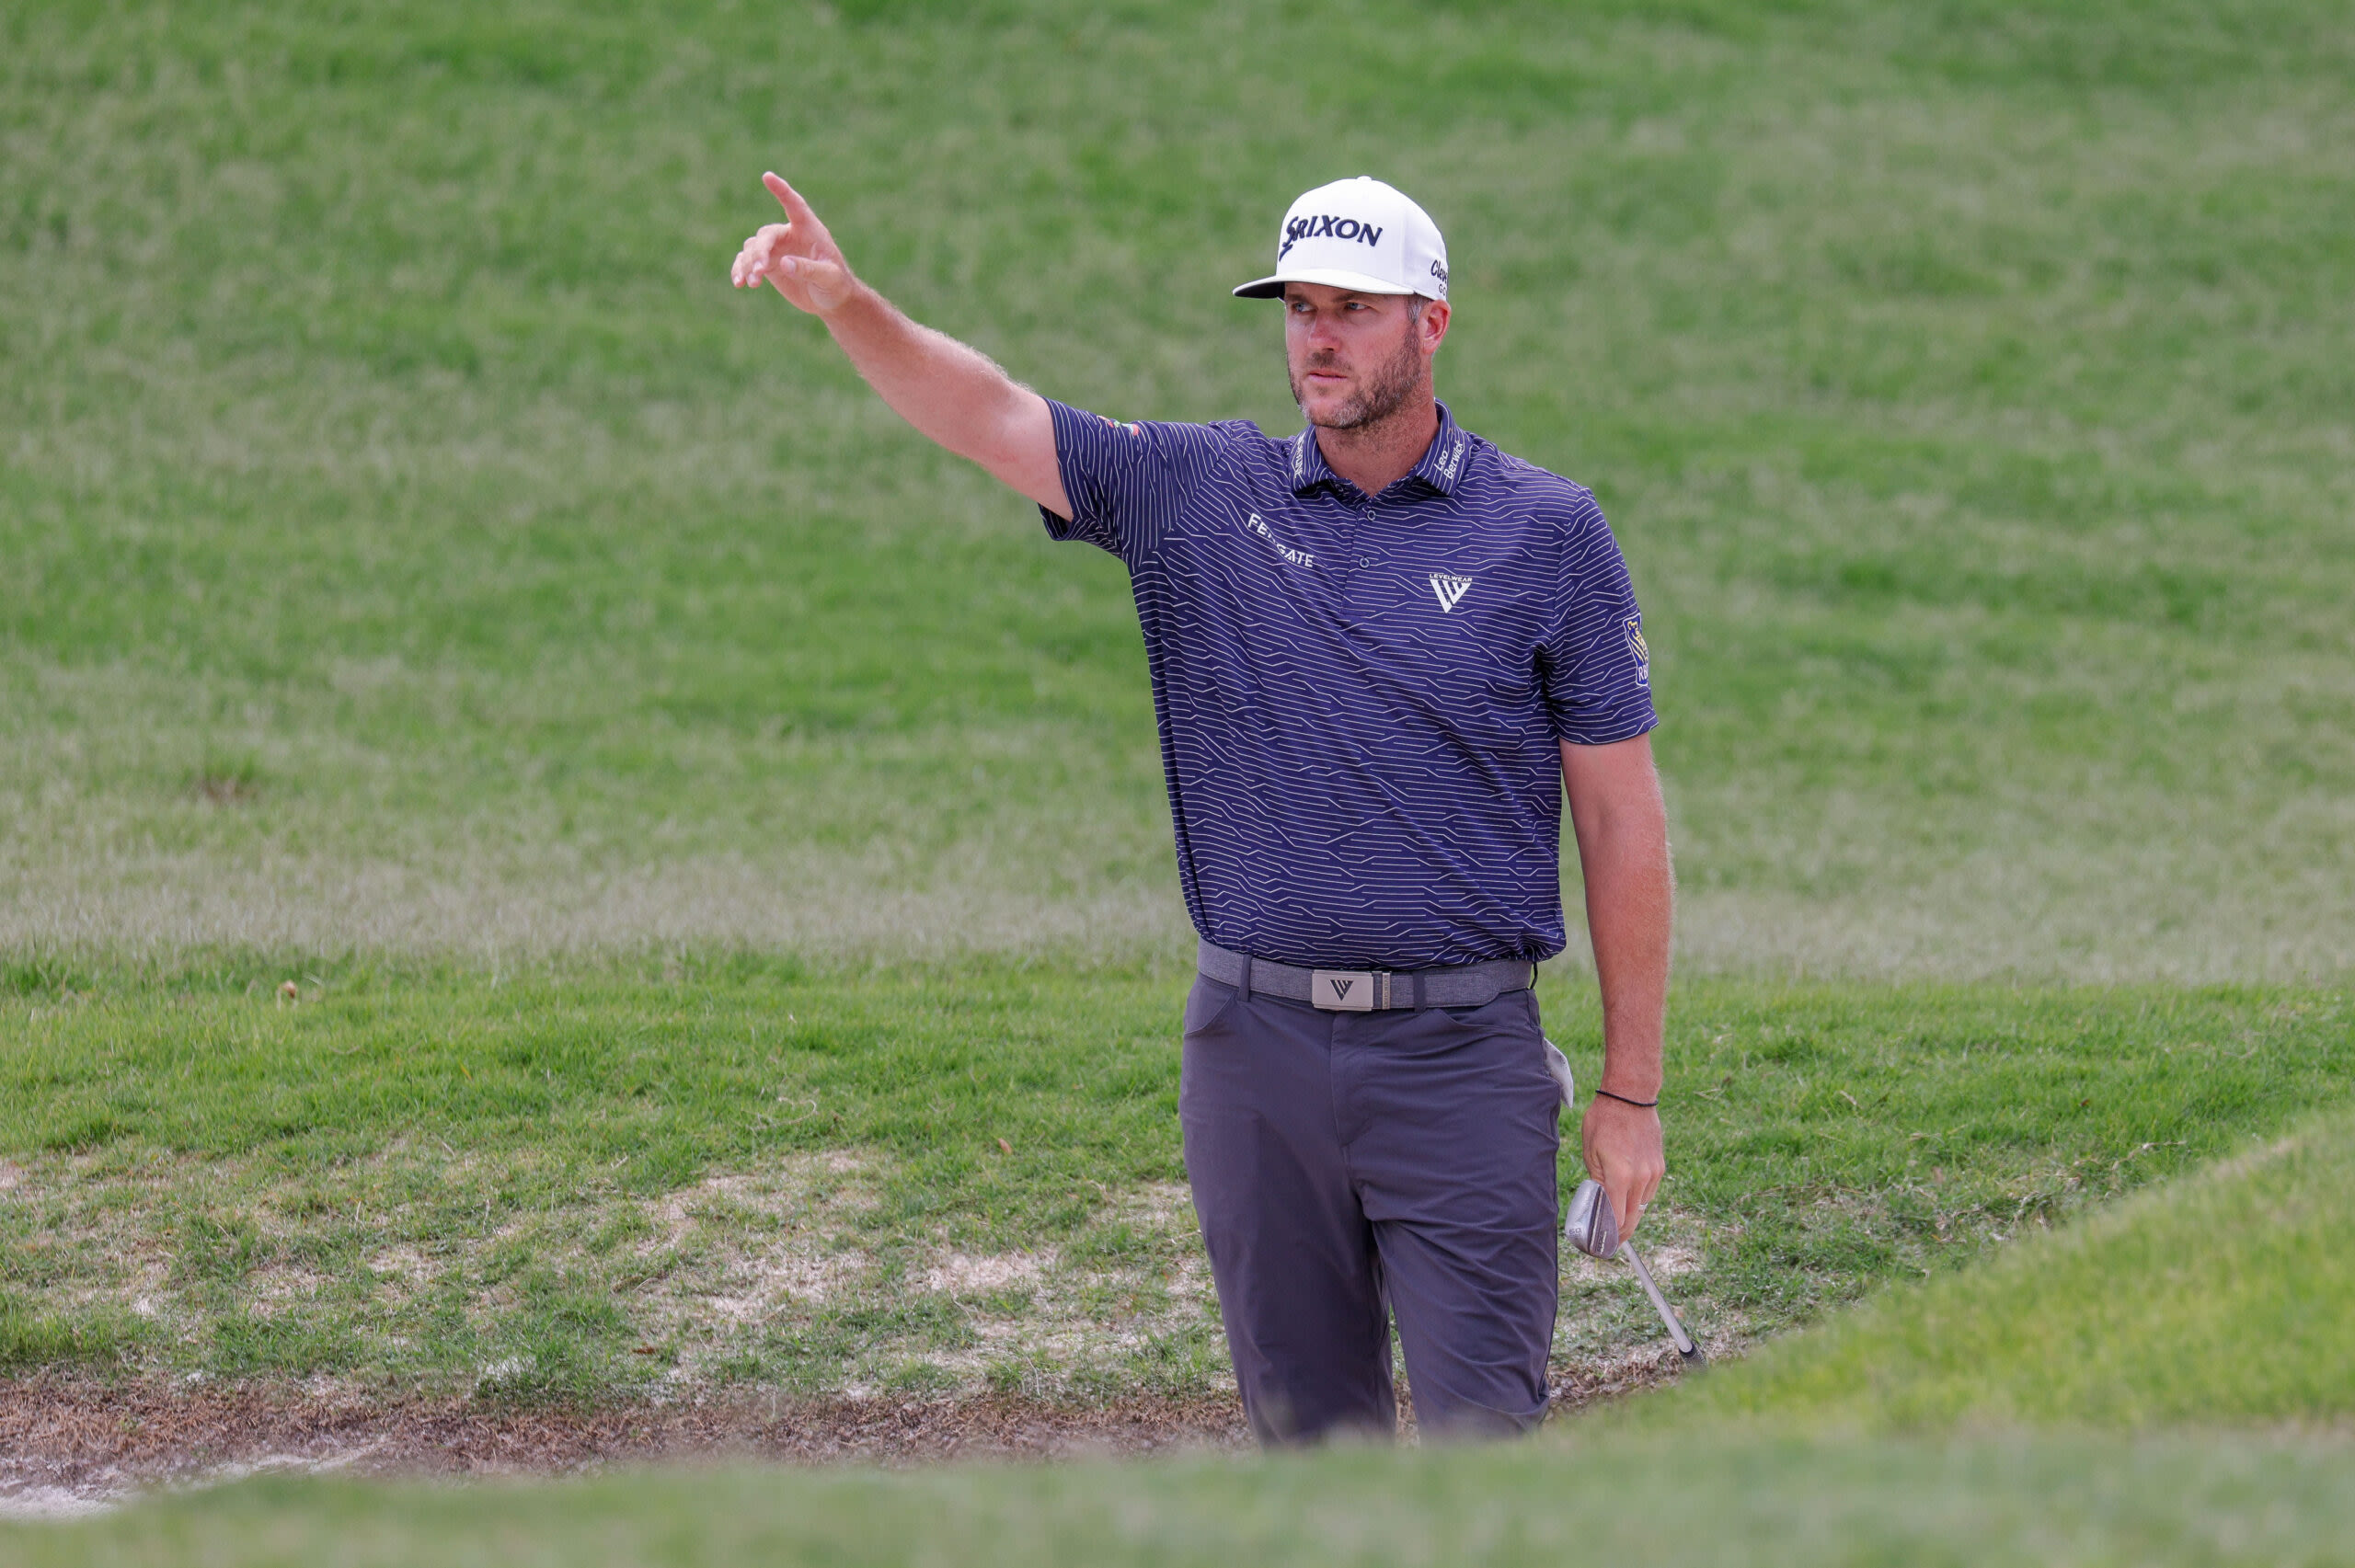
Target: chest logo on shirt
1259	525
1450	590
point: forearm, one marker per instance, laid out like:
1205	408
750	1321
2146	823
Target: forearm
1622	826
1629	900
951	393
954	394
1622	848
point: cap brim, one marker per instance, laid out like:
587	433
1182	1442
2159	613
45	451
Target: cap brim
1332	277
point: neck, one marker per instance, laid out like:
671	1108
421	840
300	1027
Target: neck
1374	457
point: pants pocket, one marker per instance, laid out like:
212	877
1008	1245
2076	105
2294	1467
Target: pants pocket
1208	1004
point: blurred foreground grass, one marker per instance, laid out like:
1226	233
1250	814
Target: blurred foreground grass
2052	1502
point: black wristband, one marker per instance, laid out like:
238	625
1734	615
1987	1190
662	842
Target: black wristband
1639	1105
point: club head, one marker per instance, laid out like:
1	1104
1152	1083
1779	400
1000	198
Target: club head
1591	1227
1560	1066
1695	1359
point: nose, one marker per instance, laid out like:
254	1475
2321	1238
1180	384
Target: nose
1319	331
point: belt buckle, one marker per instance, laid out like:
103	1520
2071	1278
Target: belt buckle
1341	991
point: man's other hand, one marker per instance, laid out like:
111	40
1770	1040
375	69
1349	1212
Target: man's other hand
1622	1145
798	256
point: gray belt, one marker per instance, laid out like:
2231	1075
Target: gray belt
1368	990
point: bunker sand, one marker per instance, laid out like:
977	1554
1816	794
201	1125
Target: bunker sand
70	1443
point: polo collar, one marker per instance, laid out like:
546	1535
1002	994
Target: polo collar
1441	467
1442	464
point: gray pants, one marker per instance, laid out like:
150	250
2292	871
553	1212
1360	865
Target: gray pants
1350	1166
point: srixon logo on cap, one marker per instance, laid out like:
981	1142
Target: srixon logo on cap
1326	226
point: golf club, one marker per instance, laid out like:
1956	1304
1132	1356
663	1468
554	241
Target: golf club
1593	1230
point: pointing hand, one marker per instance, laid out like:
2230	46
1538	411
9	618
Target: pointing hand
798	256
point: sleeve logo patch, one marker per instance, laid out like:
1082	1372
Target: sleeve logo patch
1634	626
1131	428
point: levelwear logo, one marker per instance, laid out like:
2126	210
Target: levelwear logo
1450	590
1326	226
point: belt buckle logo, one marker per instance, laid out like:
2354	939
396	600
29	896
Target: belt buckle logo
1341	991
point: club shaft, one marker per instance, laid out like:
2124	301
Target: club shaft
1660	1302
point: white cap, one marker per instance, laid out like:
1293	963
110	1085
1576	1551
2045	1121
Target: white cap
1357	234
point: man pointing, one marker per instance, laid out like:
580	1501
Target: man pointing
1381	649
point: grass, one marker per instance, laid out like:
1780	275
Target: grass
415	547
1902	1433
755	1170
2218	1299
2044	1501
595	1184
679	796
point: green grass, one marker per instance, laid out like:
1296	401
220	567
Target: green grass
2211	1302
751	1170
426	581
595	1183
413	545
2218	1299
2042	1501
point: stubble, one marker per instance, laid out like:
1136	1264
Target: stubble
1381	394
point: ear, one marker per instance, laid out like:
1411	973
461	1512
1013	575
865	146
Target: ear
1433	326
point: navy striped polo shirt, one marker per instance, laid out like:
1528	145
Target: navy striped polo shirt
1359	697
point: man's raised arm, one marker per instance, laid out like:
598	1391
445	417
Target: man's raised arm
953	394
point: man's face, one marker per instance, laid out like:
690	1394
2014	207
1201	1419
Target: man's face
1356	359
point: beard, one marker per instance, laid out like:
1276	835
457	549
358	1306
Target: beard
1381	392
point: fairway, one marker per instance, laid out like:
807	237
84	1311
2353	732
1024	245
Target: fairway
557	862
415	545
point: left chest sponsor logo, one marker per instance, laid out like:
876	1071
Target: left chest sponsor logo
1634	626
1449	589
1256	524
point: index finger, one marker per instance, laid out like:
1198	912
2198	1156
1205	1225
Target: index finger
794	207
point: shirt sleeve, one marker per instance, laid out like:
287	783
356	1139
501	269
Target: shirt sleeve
1126	481
1594	667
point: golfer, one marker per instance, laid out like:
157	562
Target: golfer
1381	650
